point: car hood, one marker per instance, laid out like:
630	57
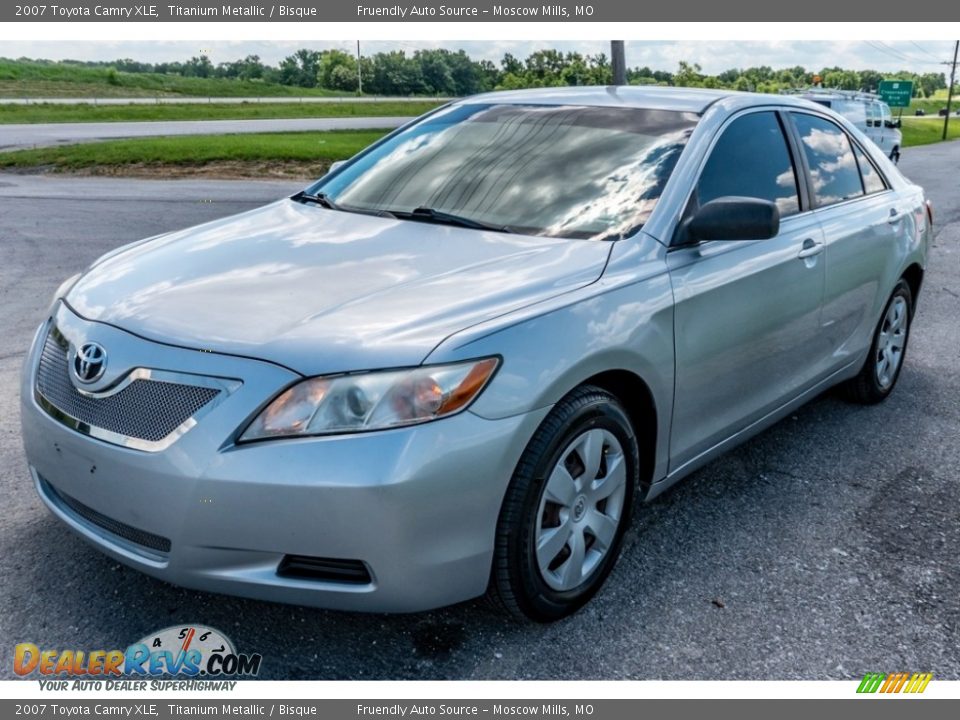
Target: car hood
323	291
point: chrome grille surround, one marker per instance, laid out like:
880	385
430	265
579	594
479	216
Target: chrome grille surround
146	410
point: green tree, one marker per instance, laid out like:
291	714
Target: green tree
198	66
687	75
301	68
337	70
394	73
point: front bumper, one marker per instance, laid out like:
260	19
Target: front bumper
417	506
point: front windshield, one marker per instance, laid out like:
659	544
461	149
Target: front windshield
558	171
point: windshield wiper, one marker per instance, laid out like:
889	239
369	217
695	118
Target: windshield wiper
439	216
324	200
319	198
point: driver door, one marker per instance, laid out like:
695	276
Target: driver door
747	313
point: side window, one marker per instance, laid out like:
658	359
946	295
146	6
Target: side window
884	114
855	112
751	160
833	167
872	182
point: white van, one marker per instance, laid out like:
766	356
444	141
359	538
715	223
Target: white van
865	110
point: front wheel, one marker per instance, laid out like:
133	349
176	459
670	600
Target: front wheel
567	507
880	372
895	155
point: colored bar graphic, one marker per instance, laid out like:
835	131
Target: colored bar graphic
922	682
894	683
870	683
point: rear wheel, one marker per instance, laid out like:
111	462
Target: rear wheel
880	372
566	509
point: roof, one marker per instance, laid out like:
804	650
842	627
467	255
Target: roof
650	97
830	94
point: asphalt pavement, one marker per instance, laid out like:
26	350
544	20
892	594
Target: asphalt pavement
822	549
28	135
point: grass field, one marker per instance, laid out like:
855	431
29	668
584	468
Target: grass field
307	154
254	155
930	106
48	113
923	131
51	113
29	79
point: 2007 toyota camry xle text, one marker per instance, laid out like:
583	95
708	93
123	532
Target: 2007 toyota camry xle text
455	364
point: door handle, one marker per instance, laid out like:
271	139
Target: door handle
809	249
895	216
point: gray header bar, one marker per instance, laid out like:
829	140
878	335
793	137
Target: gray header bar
825	11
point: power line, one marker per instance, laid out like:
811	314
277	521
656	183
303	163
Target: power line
925	51
902	54
899	54
885	50
893	51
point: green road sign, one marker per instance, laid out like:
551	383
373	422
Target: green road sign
896	93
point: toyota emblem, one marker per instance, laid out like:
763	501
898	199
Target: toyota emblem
90	362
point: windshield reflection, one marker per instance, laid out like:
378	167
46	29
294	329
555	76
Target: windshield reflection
558	171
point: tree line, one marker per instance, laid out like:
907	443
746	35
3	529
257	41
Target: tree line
449	73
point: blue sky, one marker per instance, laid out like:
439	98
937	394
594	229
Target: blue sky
714	57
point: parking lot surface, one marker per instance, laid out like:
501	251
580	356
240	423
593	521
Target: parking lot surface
822	549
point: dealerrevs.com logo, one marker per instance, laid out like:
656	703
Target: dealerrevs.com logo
183	651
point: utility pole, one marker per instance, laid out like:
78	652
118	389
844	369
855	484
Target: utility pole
359	72
953	75
619	62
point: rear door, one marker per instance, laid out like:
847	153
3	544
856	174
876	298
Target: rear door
747	313
862	222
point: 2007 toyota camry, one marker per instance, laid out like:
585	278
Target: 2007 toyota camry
452	365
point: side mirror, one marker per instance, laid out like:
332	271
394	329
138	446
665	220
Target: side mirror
734	218
893	124
335	165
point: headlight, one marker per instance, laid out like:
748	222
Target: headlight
372	400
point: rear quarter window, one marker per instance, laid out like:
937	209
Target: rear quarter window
872	180
834	173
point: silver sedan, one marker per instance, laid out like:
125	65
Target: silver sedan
455	364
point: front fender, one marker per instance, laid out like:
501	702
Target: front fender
622	322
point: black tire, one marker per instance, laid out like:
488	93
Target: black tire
516	584
866	388
895	155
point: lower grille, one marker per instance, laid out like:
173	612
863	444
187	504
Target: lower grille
145	409
304	567
126	532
